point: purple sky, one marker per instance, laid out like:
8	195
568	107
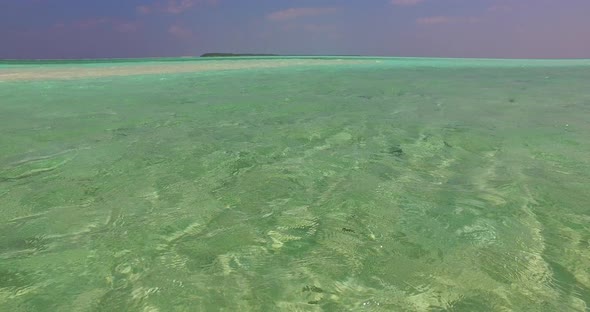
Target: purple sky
147	28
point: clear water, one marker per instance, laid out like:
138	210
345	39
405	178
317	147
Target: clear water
351	185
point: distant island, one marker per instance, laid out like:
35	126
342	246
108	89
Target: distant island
234	54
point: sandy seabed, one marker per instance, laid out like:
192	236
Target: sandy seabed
360	184
28	72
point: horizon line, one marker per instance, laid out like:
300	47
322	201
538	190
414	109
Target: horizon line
256	55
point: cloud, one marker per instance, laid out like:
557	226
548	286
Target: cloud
294	13
406	2
172	6
126	27
144	9
310	28
92	22
500	8
59	25
317	28
180	32
179	6
435	20
121	26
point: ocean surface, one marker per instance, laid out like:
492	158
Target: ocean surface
295	184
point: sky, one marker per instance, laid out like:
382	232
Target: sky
169	28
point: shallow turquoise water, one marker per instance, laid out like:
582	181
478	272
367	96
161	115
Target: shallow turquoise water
385	185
